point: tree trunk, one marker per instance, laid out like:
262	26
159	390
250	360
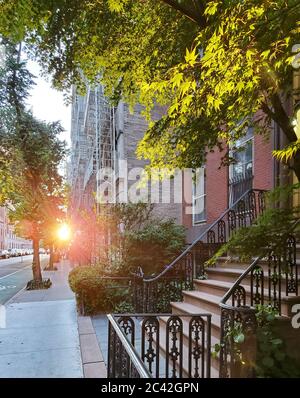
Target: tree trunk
296	165
281	117
36	265
51	258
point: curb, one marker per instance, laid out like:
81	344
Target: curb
17	294
9	301
92	360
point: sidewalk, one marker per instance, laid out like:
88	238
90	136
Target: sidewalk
41	337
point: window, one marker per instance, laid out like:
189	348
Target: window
243	159
199	196
241	171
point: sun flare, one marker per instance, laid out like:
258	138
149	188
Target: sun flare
64	232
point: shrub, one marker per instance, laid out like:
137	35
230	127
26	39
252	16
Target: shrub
94	292
154	246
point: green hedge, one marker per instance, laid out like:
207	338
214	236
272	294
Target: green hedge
96	294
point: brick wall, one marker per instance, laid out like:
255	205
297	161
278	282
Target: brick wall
216	196
134	126
216	186
263	163
217	183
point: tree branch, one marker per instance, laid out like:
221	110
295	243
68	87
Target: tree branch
194	13
279	115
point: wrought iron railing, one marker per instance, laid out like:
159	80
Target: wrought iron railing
123	360
159	345
240	184
262	283
155	294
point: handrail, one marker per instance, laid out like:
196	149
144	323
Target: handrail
131	351
245	273
244	312
211	226
238	281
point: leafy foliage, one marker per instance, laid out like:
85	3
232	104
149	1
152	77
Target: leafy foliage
141	240
272	359
287	153
215	71
95	293
30	155
154	245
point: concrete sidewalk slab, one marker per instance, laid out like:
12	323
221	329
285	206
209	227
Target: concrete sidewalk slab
40	340
60	289
41	337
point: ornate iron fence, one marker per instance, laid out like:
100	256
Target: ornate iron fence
155	294
262	283
123	360
159	345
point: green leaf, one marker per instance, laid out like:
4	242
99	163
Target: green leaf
268	362
217	347
191	56
279	355
240	338
211	8
177	79
276	341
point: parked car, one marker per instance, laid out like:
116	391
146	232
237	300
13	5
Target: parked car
4	254
13	252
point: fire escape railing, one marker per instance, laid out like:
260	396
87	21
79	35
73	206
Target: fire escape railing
260	284
159	345
155	294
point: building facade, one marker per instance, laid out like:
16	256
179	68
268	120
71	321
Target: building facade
8	237
105	138
104	167
218	187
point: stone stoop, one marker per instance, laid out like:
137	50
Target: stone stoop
92	359
208	293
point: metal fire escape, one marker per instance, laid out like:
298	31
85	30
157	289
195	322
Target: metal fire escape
105	144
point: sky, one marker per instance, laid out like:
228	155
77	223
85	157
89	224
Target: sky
47	103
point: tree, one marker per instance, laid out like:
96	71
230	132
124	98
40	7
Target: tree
125	237
218	66
31	152
38	197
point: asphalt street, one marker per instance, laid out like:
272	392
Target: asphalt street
14	274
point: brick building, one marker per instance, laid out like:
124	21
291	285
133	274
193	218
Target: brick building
8	237
216	188
105	137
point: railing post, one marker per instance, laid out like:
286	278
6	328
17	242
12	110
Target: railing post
111	352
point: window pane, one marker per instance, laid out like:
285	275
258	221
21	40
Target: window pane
248	151
199	186
199	209
199	190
